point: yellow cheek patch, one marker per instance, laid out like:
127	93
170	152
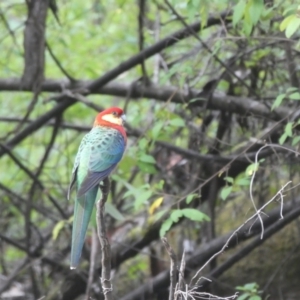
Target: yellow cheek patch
112	119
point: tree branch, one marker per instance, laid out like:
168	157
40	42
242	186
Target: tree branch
105	246
34	45
272	229
157	47
173	268
110	75
205	252
240	105
33	177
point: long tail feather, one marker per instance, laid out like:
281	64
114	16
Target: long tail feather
82	214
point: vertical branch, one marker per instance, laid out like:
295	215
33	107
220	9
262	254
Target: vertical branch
291	65
29	205
94	250
105	246
157	56
181	283
173	267
34	51
34	44
142	6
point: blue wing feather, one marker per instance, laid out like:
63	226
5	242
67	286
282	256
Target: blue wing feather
93	179
104	149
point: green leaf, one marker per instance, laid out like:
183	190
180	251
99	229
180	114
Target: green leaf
255	297
225	192
176	215
296	140
288	130
204	11
57	228
113	211
283	138
292	26
157	129
283	25
141	198
147	168
228	179
247	27
252	286
147	158
190	198
252	168
255	10
295	96
242	181
291	89
290	9
166	225
194	214
143	143
244	296
178	122
278	101
238	12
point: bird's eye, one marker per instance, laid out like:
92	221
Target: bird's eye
114	113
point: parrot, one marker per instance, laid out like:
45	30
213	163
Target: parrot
99	153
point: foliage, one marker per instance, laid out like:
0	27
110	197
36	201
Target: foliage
189	213
197	113
250	292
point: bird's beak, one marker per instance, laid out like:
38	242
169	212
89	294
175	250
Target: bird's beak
123	117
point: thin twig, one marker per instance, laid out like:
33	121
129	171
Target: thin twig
11	32
258	212
18	162
193	33
173	267
201	254
193	295
21	201
23	264
257	241
59	65
181	272
141	16
252	180
94	250
105	246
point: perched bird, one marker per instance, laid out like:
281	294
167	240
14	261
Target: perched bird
99	153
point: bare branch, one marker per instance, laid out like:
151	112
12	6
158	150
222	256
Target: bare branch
181	282
173	267
240	105
58	63
257	214
33	177
39	122
94	250
105	246
157	47
110	75
205	252
272	229
23	264
193	33
34	45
